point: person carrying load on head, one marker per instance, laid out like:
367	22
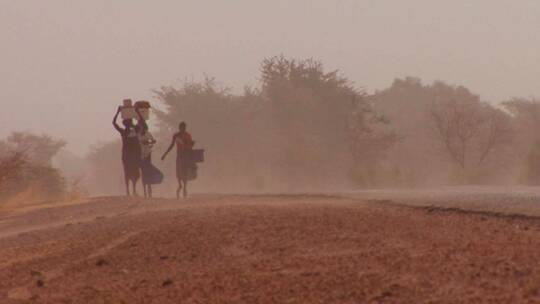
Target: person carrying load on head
131	149
186	169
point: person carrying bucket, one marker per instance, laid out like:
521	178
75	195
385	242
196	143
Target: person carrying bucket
186	168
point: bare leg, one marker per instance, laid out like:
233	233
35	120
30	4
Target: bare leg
178	189
127	185
185	188
149	191
134	183
144	190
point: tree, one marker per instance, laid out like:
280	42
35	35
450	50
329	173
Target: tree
470	131
525	114
331	125
370	137
445	135
413	159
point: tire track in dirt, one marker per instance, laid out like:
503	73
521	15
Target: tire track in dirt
113	244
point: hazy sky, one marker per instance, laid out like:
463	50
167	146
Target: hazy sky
66	65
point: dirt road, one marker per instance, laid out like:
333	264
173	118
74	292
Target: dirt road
265	249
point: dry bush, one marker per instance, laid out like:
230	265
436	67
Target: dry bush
76	189
11	166
25	167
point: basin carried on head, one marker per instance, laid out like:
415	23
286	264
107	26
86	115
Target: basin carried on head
128	109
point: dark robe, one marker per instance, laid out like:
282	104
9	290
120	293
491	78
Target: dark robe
131	154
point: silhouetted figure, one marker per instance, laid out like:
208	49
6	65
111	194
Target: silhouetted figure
185	167
150	174
131	151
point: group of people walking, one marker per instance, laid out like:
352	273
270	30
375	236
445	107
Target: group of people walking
137	146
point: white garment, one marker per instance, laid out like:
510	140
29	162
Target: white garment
147	143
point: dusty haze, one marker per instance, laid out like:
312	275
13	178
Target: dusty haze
378	151
65	65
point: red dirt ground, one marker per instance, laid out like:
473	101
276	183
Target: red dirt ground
265	249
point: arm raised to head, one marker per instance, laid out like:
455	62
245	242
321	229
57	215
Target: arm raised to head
115	124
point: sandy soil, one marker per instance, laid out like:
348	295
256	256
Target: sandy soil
265	249
508	199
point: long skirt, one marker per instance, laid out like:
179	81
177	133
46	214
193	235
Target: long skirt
186	169
150	174
131	162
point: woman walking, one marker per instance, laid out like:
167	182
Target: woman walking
150	174
131	151
186	169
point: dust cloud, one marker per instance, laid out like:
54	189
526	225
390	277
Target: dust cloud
355	151
337	111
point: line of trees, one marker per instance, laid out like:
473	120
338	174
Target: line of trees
305	128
